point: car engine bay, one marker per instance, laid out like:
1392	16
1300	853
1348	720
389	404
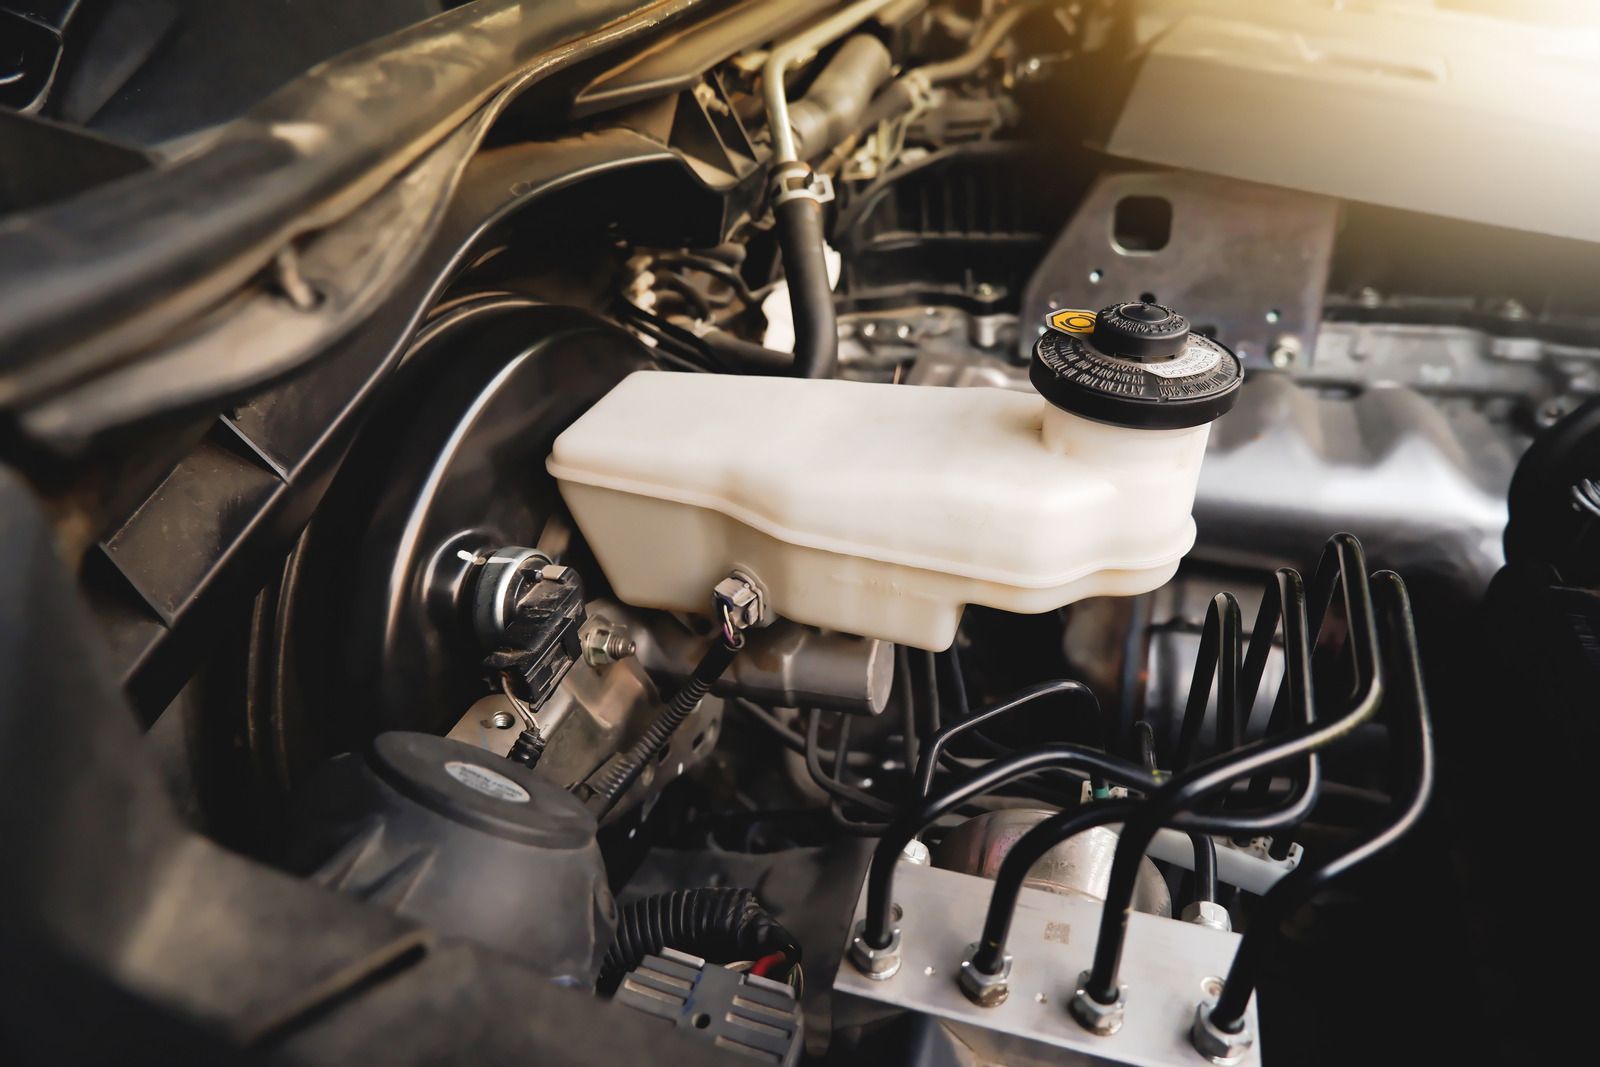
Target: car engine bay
951	532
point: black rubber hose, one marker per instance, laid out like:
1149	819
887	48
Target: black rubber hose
1033	845
931	751
908	707
1343	562
1023	854
969	61
1205	868
1218	660
747	356
816	327
899	97
1299	885
838	97
880	878
605	788
791	738
834	788
708	264
718	924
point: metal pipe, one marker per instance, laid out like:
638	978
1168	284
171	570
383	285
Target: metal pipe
792	52
784	665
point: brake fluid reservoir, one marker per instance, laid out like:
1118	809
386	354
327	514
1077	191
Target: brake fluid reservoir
882	510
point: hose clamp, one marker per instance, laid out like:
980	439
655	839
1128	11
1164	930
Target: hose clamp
796	181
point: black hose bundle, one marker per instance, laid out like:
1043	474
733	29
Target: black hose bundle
720	925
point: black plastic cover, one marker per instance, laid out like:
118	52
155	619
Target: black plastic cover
465	842
1134	364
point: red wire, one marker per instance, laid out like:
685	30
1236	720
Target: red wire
767	963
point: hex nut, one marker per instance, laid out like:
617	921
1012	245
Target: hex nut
878	964
1093	1016
604	642
1215	1043
1208	913
984	990
916	851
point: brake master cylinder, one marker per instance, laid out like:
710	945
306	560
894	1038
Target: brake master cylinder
882	510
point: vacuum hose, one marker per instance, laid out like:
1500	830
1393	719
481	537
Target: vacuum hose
834	104
816	327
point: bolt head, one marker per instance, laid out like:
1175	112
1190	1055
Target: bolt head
1285	352
916	852
984	990
878	964
1215	1043
1093	1016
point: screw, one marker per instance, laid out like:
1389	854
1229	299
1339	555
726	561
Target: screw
986	291
1285	352
902	331
1369	297
869	329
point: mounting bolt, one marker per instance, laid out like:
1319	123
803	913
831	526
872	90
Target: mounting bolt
1215	1043
916	852
1093	1016
1208	913
984	990
878	964
1285	352
605	643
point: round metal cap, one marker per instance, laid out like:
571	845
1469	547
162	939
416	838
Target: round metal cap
1134	364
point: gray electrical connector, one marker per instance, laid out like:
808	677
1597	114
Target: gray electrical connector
740	1012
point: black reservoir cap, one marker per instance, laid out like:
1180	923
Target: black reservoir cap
1134	364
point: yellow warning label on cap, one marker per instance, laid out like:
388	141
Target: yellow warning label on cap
1072	321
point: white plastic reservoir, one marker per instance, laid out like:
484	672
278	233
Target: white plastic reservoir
872	509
